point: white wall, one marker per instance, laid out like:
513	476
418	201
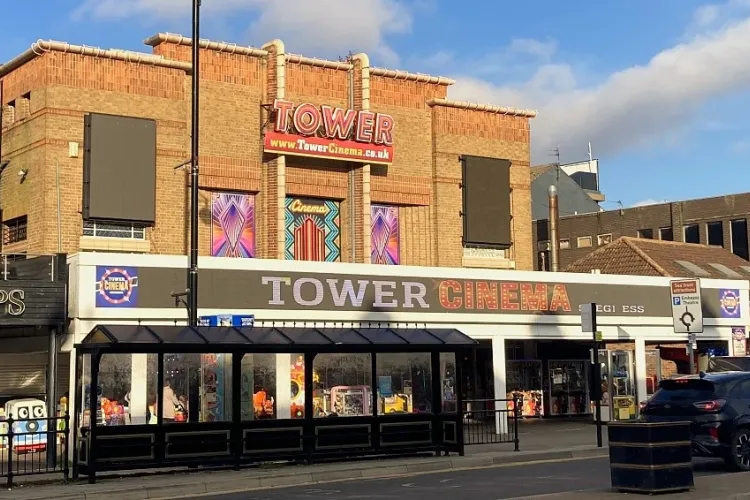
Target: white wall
85	315
498	327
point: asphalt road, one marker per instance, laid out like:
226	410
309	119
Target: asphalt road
490	483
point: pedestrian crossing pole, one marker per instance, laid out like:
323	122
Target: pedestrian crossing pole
588	324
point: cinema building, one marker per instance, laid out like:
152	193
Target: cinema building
411	211
528	324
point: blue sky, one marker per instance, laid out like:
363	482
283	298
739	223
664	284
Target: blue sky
661	88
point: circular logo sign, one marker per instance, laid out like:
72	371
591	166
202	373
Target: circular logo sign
730	302
116	286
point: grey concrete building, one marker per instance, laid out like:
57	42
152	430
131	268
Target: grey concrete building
578	192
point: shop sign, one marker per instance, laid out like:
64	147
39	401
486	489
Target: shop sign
739	341
428	295
116	286
330	132
298	206
246	320
286	290
13	302
730	303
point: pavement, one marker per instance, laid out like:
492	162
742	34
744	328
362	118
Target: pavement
556	458
563	479
181	484
29	461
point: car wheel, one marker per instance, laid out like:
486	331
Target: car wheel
739	451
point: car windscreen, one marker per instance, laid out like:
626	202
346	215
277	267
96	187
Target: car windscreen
692	390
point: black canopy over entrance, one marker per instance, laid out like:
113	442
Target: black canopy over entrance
127	337
171	395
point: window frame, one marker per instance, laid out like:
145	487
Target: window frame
137	231
711	224
662	229
15	230
590	239
642	233
685	228
732	232
600	237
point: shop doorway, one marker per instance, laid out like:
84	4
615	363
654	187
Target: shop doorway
551	376
478	382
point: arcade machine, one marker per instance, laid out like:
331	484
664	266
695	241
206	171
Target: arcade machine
397	403
263	404
351	400
30	425
618	401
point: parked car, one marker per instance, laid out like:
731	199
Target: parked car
728	364
717	405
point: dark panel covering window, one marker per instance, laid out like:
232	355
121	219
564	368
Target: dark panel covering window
119	168
587	180
486	202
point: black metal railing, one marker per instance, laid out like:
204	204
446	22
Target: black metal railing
22	266
491	421
33	446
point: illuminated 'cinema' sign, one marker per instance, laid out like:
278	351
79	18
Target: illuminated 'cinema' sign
329	132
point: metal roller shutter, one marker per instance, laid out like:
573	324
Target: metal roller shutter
26	375
23	375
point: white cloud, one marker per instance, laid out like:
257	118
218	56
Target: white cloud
644	105
645	203
717	14
706	15
740	147
439	59
632	107
325	27
535	48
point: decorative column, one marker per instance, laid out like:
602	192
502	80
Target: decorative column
498	371
283	386
362	175
641	389
138	388
273	177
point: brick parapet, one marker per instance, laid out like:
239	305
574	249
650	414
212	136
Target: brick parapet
236	83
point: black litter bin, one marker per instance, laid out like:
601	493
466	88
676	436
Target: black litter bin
650	457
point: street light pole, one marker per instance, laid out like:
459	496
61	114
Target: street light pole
193	267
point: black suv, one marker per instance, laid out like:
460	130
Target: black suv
717	405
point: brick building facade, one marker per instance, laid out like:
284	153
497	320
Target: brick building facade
718	221
48	90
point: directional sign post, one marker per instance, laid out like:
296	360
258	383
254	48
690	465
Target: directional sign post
588	325
687	313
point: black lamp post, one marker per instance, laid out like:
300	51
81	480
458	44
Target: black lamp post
192	280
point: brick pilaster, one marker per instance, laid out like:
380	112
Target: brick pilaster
362	201
274	172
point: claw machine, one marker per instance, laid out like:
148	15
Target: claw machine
568	387
617	378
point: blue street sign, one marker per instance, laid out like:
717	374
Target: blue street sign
227	320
